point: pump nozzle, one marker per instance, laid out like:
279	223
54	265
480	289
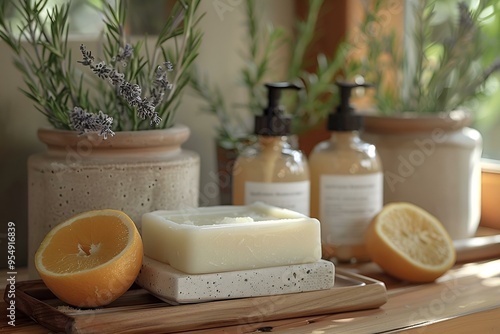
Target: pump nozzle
273	122
274	94
345	119
345	94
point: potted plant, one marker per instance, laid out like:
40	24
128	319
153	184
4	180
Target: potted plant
311	106
114	141
420	127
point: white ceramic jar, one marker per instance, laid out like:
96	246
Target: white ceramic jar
433	161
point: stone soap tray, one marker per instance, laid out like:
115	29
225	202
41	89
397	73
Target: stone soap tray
174	286
137	311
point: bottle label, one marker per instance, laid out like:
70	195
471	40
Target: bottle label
289	195
347	205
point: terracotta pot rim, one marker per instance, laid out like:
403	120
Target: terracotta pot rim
408	122
173	136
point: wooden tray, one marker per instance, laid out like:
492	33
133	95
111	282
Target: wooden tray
137	311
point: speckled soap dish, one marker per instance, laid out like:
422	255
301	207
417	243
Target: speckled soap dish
172	285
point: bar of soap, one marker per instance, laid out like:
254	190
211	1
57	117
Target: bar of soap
172	285
229	238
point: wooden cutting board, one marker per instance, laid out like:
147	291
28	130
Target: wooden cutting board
137	311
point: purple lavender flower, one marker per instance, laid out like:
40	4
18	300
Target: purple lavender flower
128	91
88	59
169	66
131	93
124	54
146	109
116	78
161	76
102	70
161	83
85	122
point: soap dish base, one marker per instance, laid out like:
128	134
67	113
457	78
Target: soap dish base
171	285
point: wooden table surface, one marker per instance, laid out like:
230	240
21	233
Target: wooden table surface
465	300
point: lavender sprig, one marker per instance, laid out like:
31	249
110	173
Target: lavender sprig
161	83
132	92
86	122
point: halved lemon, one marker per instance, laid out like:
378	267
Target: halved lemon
409	243
91	259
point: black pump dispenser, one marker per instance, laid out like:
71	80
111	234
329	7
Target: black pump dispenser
345	119
273	121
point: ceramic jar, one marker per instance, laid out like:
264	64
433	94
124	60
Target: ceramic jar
433	161
133	171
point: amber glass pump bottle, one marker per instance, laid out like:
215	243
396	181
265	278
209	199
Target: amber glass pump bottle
346	183
272	171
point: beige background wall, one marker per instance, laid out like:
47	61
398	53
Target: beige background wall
220	58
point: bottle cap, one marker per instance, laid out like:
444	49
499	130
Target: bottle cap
273	121
345	119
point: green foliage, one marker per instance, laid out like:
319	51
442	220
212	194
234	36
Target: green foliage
319	96
442	68
231	130
57	83
51	82
307	109
259	57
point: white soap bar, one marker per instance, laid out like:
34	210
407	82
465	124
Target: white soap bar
228	238
169	284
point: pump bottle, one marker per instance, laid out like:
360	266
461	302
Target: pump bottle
272	171
346	183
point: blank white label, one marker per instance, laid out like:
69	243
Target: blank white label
289	195
347	205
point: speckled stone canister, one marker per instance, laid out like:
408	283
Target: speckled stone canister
133	171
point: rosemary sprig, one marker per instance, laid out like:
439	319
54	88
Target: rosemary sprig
259	57
43	58
230	128
319	96
184	55
139	94
443	71
262	47
313	103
